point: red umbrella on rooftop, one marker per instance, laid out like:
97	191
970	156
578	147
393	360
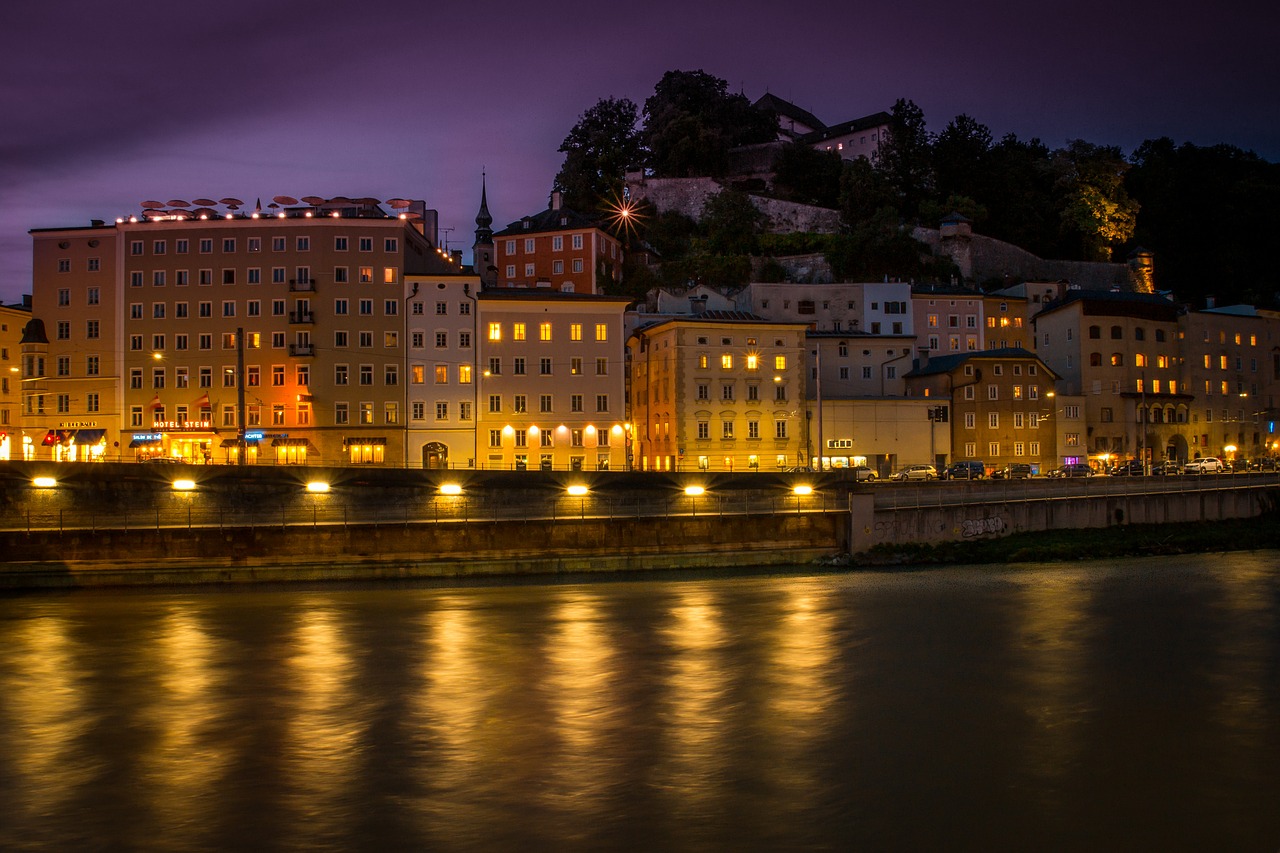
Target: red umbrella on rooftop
285	199
152	205
230	201
177	202
313	199
204	202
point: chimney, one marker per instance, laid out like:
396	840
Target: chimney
556	199
923	361
1210	301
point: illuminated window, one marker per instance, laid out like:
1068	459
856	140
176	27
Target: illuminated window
495	331
442	374
575	331
753	361
779	362
602	331
544	331
517	332
726	361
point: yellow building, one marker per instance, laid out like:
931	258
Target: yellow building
719	391
551	381
13	319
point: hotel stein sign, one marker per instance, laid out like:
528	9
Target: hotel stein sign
182	426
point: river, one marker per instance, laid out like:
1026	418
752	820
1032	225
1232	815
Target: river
1124	705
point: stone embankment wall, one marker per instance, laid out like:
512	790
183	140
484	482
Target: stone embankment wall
989	512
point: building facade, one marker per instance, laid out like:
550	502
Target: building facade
720	391
557	249
173	332
550	380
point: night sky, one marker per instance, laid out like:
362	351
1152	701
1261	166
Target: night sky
104	105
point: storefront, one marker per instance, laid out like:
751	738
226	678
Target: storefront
365	450
65	443
231	449
293	451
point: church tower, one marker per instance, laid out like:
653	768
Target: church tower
482	250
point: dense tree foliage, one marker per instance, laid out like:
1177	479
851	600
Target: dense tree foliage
1205	212
598	150
1208	214
691	121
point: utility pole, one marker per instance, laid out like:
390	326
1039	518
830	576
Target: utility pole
240	446
817	363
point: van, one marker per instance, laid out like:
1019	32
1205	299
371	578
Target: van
968	470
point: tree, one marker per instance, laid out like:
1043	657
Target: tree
961	159
864	193
1096	212
733	224
1019	196
598	151
803	174
691	122
906	159
1206	214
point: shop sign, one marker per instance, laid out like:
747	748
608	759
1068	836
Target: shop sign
182	426
77	424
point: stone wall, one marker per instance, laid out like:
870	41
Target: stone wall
689	195
982	258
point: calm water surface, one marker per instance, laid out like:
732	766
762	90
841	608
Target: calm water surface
1105	706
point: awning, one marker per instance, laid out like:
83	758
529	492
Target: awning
293	442
89	436
57	436
146	442
359	440
235	442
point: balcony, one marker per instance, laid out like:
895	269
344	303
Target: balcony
296	317
302	285
302	349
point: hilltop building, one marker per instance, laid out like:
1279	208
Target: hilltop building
555	249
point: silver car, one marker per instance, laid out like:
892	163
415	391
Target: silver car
917	472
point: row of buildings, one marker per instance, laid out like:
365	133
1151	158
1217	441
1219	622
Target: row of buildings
336	331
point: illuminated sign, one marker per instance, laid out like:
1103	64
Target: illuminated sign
148	436
77	424
179	426
253	436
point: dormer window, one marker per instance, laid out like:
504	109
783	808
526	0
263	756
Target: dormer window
564	220
526	223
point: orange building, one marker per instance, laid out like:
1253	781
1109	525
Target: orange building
557	249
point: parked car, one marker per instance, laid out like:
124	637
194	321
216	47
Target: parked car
1012	471
1129	468
1265	463
967	470
1075	469
1169	466
916	472
861	473
1205	465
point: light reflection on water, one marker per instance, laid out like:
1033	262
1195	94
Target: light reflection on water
1099	706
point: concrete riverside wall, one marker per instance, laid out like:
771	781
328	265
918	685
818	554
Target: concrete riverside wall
415	550
872	526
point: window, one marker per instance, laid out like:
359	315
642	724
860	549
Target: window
544	366
495	403
544	404
442	374
517	366
575	331
229	308
340	374
602	367
602	402
391	244
970	420
993	420
544	331
442	411
577	243
495	331
366	374
520	404
726	430
575	402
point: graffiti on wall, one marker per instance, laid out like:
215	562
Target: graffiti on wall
992	524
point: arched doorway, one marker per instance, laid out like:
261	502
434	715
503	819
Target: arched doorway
1177	448
435	455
